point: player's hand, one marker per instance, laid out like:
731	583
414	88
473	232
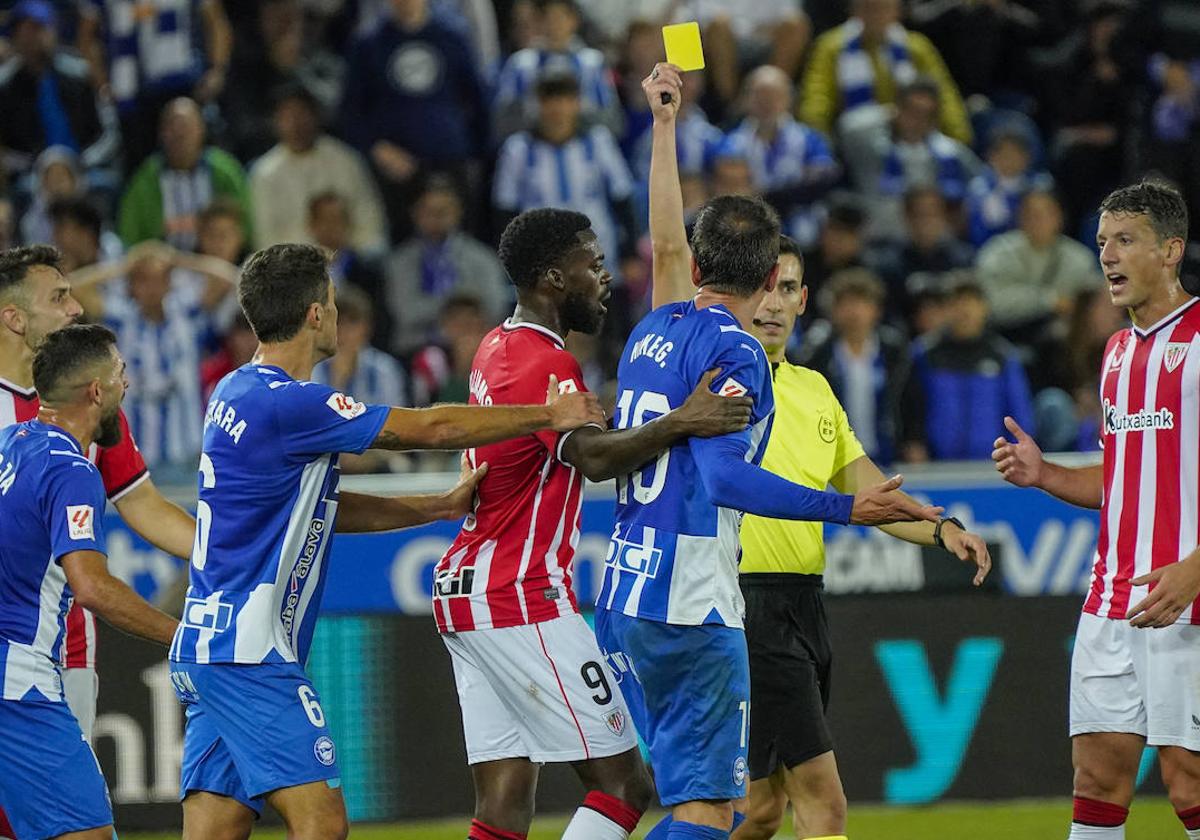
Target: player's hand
969	548
705	414
460	499
1020	463
664	78
1175	587
570	411
882	505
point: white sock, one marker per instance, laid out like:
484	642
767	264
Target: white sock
588	824
1096	832
1192	833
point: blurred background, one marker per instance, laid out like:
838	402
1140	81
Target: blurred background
939	161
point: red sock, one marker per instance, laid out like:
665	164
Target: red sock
1095	812
6	830
483	831
617	810
1190	818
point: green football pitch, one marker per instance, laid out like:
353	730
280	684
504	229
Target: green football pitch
1151	819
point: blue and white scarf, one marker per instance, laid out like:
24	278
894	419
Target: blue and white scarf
856	73
949	173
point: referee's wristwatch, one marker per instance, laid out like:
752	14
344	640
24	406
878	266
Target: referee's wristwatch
937	530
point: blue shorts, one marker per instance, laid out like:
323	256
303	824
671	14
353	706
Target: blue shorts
688	691
251	729
50	783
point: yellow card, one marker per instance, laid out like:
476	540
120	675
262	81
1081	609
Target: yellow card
682	41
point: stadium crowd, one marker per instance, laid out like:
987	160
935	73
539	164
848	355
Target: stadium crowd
939	161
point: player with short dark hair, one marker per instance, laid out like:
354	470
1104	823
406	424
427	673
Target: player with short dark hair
268	506
1132	686
52	553
503	598
669	612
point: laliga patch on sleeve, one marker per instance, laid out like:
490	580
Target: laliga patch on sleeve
567	386
81	522
732	388
348	407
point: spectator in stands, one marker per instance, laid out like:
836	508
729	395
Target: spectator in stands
926	294
994	195
330	222
221	231
791	164
929	245
238	346
304	163
731	172
889	156
562	163
560	51
145	55
965	380
79	235
438	262
1174	141
1031	274
47	98
56	176
842	244
868	60
866	362
414	102
163	305
442	368
739	36
165	196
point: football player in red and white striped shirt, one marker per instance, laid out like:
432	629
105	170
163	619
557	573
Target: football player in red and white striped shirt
1136	662
35	300
533	685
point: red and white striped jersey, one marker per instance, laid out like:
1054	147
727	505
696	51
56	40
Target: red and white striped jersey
1150	393
511	562
122	469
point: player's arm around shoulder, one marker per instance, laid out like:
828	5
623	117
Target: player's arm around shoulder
358	513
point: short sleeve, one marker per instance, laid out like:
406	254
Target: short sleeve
75	507
315	420
121	466
849	449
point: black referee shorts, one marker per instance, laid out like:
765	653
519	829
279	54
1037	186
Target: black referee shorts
787	635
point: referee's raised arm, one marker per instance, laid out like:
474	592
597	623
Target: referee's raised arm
672	269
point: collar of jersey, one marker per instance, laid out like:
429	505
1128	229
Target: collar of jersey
270	369
58	432
509	325
1149	331
27	393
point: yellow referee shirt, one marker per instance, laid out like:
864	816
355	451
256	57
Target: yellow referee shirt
811	441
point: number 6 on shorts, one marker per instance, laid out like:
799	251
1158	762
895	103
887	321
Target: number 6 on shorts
312	708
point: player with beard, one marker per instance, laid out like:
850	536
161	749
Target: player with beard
532	683
52	549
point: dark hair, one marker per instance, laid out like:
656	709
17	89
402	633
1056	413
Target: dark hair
557	83
856	282
64	353
221	207
791	247
846	211
961	282
439	182
736	243
536	240
16	262
278	286
921	84
1161	203
78	211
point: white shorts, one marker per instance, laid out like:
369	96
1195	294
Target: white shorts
1146	682
538	691
81	687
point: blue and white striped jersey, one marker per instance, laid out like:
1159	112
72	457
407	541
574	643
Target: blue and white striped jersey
151	45
586	174
378	378
674	554
519	75
265	516
797	154
51	504
696	143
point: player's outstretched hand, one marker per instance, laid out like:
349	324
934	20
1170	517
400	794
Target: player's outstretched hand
460	499
882	505
1175	587
705	414
969	548
1021	462
668	79
572	410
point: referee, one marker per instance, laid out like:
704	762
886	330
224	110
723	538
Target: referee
791	749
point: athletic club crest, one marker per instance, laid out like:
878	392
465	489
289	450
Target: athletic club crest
615	721
1173	358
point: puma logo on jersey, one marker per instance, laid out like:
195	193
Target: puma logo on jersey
81	522
732	388
347	407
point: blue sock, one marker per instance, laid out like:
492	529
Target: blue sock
691	831
663	829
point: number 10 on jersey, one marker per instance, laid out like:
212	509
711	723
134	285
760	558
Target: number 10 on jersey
633	412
